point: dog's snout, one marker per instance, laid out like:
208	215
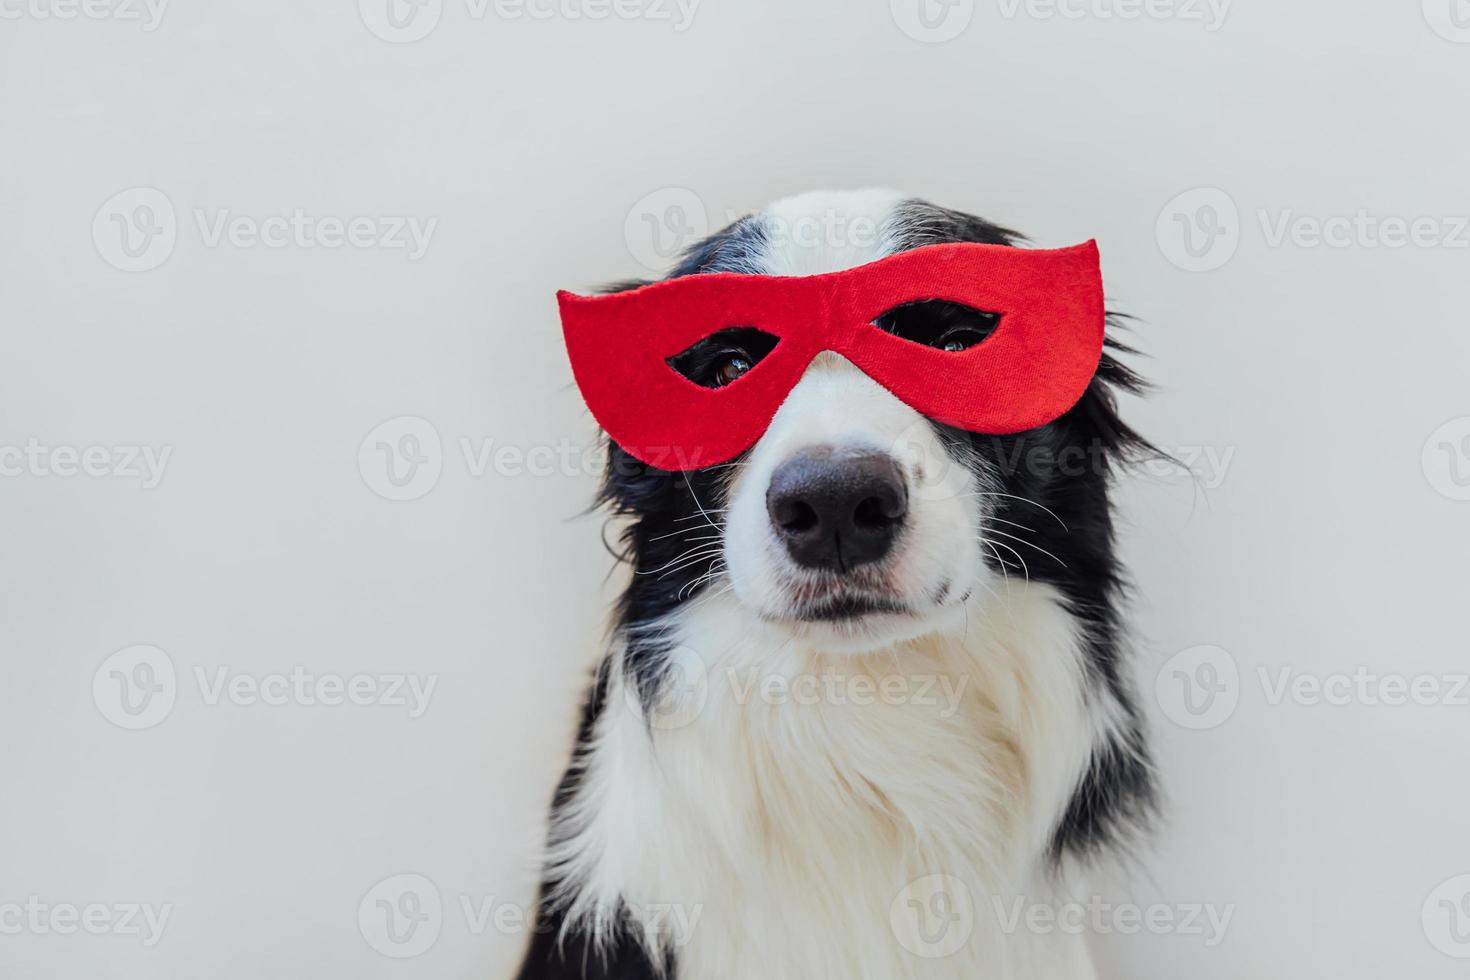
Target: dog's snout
837	509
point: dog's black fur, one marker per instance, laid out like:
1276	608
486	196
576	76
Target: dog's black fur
1056	480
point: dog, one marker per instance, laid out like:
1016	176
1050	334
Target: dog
867	692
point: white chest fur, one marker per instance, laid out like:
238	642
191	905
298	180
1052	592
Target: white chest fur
791	814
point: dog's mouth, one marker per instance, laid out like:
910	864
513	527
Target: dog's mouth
844	607
842	600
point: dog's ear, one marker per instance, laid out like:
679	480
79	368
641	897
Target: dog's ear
734	248
731	249
917	223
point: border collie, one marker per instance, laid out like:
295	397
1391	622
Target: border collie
801	763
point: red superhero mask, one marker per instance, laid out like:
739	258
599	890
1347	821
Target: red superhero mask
1031	368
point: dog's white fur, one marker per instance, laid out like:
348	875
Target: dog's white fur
763	834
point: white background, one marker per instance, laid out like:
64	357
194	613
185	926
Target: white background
1326	534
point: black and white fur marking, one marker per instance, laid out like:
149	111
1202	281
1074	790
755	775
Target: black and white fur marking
794	773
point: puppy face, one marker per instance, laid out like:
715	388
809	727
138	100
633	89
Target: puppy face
855	522
851	522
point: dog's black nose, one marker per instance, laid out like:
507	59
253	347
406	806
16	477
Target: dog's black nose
837	509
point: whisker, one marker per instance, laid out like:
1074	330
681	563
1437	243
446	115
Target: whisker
1005	566
695	497
673	534
1030	545
702	513
692	561
696	538
715	570
708	549
1024	500
1024	567
1002	520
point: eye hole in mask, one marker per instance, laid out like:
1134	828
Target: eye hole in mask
940	324
724	357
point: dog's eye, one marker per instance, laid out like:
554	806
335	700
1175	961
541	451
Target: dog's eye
940	324
731	366
724	357
961	338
